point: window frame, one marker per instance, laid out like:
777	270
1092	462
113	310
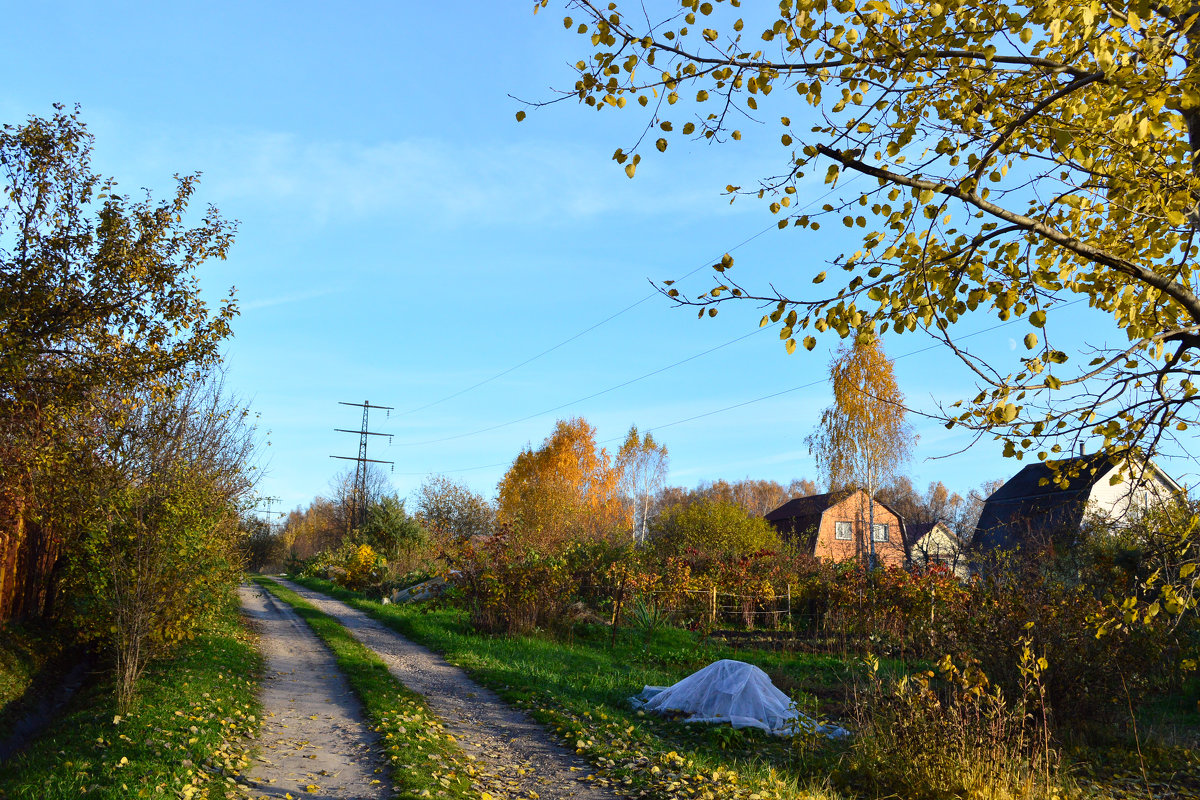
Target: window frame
838	528
874	533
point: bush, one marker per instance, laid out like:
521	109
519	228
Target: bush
713	527
1089	678
161	536
364	566
509	589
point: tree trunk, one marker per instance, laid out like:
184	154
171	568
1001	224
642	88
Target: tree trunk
871	515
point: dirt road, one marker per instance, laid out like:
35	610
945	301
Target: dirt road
314	742
512	747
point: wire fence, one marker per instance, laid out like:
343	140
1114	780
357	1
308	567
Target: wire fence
787	619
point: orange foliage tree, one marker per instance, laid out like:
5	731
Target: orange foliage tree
567	490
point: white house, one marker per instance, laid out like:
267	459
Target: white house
1040	502
935	543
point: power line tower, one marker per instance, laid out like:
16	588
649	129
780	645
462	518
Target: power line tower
358	495
271	516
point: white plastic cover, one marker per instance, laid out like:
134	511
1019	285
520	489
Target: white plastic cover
734	692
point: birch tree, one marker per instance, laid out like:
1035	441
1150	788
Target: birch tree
863	439
642	463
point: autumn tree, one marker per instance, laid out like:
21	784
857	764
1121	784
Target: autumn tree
862	438
642	463
566	490
756	496
448	506
308	531
937	504
1012	158
99	298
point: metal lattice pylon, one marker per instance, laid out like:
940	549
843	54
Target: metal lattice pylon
359	502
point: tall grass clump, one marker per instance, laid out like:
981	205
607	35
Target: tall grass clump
951	733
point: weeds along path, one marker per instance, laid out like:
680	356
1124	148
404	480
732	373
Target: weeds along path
511	745
314	742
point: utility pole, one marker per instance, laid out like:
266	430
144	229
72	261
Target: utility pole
358	495
269	501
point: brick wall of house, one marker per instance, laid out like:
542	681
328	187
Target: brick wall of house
855	510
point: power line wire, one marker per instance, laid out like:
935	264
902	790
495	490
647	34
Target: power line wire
588	397
752	401
606	320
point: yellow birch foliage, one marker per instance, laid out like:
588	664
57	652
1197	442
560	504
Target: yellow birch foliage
862	438
565	491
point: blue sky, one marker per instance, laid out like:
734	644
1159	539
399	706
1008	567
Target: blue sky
402	238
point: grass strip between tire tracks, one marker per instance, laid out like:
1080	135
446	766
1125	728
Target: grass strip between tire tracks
422	757
640	756
188	734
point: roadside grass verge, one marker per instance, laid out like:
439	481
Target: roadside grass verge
188	734
580	689
422	757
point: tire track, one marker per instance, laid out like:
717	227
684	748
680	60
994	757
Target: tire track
314	741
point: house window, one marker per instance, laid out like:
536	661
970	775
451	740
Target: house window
843	531
880	532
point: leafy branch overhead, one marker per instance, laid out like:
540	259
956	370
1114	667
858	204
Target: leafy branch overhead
1009	158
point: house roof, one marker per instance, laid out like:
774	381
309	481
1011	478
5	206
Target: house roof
919	530
1025	505
806	506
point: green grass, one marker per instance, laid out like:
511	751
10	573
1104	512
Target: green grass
422	756
580	689
188	734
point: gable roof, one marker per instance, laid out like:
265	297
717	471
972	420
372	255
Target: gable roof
919	530
816	504
1024	506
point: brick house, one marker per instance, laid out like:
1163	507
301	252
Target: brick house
833	526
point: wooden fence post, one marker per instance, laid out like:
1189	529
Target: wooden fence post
616	617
